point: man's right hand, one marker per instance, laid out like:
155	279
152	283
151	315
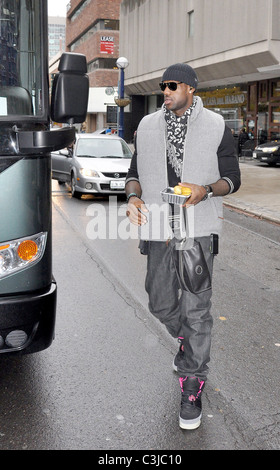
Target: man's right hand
135	211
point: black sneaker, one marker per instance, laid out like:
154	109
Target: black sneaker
191	409
179	356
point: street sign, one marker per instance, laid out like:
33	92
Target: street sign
112	115
107	44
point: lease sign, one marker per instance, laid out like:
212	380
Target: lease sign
107	44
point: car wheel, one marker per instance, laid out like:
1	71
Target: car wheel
73	188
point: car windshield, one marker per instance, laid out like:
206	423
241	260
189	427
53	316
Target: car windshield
275	137
102	148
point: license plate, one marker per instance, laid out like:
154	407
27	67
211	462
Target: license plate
117	184
264	158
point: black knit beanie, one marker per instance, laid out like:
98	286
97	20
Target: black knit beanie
181	73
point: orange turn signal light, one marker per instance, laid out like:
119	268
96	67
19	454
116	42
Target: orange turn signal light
4	247
27	250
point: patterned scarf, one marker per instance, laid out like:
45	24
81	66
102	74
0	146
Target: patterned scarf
175	137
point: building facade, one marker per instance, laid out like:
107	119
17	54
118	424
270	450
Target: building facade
56	35
233	45
92	29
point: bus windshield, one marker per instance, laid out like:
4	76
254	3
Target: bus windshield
20	58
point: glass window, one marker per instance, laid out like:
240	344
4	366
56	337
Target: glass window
263	90
112	24
102	64
80	9
98	148
275	88
275	114
252	98
191	23
20	58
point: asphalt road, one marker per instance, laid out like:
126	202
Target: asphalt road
107	383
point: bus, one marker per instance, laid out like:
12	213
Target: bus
28	290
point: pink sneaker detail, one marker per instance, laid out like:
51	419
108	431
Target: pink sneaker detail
191	397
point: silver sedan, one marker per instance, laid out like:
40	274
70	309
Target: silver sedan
96	164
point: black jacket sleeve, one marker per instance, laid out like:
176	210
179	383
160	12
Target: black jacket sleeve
132	172
228	161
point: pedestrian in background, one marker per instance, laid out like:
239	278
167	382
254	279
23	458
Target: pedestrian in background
242	138
187	145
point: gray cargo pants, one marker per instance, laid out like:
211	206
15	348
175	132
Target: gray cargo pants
184	314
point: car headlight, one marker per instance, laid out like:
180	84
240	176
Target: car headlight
16	255
87	172
269	149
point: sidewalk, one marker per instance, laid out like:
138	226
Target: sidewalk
259	193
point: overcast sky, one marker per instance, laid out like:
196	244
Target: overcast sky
57	7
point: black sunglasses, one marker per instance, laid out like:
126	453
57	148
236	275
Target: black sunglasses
171	85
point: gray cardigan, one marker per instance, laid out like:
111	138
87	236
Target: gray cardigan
200	166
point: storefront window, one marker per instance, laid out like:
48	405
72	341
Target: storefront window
275	88
275	114
252	98
263	91
231	103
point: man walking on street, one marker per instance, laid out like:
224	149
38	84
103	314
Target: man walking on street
183	144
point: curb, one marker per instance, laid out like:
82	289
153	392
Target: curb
255	211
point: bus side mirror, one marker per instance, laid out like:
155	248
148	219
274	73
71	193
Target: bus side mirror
70	90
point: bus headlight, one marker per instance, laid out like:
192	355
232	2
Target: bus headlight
16	255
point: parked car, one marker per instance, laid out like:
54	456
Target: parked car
268	153
97	164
